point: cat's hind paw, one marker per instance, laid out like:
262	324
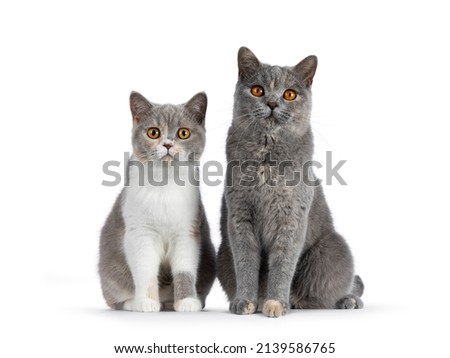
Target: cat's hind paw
274	308
242	306
188	304
142	305
349	302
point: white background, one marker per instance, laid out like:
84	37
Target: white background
380	102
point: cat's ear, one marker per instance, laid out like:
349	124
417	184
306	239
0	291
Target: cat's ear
248	63
306	69
139	105
197	107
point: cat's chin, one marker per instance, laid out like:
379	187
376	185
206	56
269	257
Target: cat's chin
167	158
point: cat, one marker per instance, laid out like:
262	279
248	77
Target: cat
279	248
155	246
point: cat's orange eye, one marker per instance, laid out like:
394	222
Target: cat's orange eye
184	133
257	91
153	133
289	95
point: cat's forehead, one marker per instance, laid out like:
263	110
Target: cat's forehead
166	115
276	76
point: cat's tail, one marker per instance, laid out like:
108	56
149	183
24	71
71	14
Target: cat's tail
358	286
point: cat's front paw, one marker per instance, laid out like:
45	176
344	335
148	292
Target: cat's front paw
188	304
242	306
142	305
274	308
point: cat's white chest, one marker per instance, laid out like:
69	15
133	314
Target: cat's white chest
164	210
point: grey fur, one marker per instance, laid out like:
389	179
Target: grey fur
279	248
183	286
116	279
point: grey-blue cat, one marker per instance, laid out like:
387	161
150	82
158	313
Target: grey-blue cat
279	248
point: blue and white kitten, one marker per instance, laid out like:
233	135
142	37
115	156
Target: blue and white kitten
155	247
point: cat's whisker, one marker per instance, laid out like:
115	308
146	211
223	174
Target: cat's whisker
321	136
219	125
243	131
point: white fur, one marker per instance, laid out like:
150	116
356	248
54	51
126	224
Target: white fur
188	304
142	305
158	227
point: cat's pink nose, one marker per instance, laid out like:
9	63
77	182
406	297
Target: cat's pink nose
272	105
168	145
